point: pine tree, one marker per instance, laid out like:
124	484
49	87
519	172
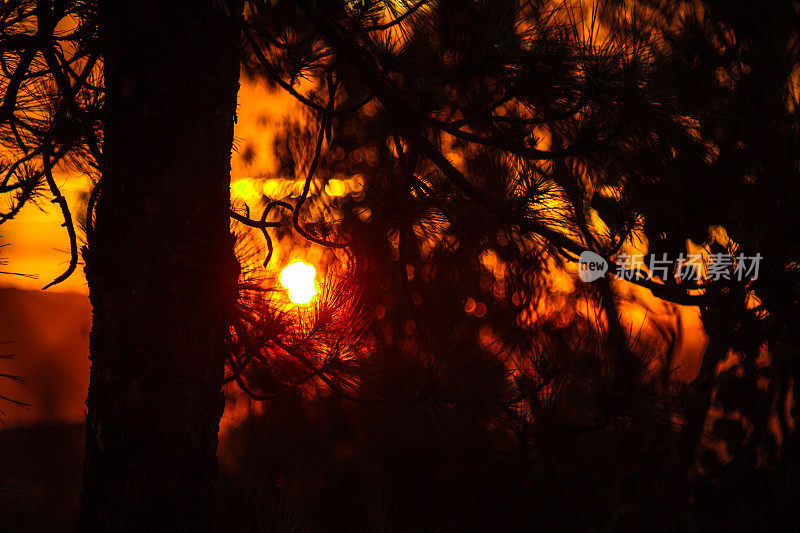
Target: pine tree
526	134
494	143
140	95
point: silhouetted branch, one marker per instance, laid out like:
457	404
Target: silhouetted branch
525	121
263	225
324	130
43	103
288	87
397	20
372	75
59	199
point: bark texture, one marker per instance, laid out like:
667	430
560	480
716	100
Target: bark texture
160	264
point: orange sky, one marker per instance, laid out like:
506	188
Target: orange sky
37	244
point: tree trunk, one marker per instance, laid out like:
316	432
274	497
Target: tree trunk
160	265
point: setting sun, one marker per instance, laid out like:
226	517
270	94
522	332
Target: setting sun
298	278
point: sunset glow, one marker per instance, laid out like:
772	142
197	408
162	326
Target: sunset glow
299	280
558	253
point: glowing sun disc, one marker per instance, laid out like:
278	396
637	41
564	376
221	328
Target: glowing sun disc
299	280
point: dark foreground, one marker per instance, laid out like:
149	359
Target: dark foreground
332	468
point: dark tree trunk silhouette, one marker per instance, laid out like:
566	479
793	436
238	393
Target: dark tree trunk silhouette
160	265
